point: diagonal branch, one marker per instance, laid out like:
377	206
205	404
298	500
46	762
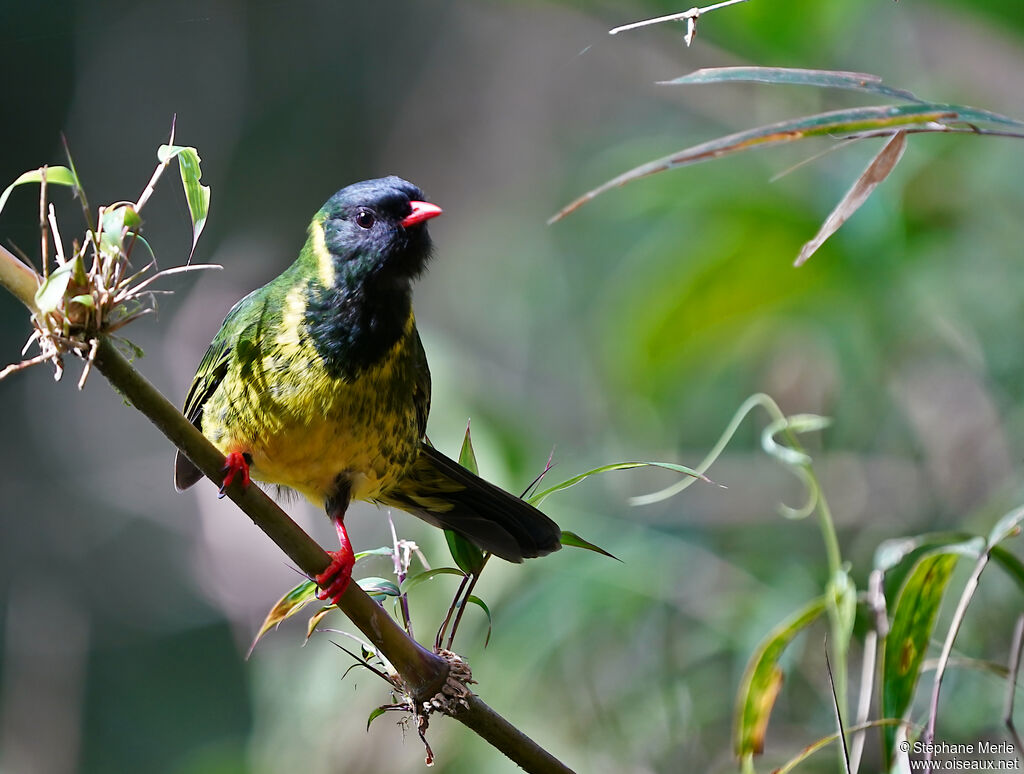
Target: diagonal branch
423	672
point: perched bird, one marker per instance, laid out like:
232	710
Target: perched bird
318	382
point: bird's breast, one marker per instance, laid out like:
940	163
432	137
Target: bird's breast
307	428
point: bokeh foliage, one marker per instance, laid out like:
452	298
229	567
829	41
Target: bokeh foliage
631	330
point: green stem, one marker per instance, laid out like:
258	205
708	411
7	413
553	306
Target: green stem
18	278
828	532
529	755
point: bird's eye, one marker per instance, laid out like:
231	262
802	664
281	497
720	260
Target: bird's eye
365	219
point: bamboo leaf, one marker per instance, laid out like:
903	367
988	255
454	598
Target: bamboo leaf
1007	526
412	582
847	121
875	173
833	79
763	679
913	619
112	226
572	539
196	195
467	555
85	300
896	558
540	497
382	551
285	608
374	715
1013	566
467	457
379	586
316	618
474	599
51	293
54	175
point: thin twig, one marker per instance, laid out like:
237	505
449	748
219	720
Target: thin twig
148	190
58	244
1011	685
79	192
693	13
400	569
838	710
876	604
439	637
44	235
465	601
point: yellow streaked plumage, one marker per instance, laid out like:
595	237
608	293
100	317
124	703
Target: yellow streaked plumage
318	382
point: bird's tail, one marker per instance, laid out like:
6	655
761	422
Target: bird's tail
445	494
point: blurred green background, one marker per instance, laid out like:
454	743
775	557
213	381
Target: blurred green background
631	330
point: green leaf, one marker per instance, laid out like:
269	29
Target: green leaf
85	300
540	497
196	194
474	599
379	586
54	175
112	225
913	619
1007	526
834	79
51	293
382	551
467	555
574	540
467	457
897	558
415	580
848	121
316	618
1009	562
285	608
374	715
763	679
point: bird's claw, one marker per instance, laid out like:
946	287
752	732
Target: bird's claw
235	464
335	579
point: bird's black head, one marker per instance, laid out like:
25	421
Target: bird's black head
375	232
367	244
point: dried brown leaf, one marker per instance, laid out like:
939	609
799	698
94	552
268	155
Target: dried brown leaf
876	172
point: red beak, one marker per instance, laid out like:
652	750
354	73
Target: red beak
421	211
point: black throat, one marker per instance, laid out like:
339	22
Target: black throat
353	329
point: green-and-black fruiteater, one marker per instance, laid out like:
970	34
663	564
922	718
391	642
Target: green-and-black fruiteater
318	382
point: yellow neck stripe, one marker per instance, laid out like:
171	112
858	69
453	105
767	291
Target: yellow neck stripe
325	263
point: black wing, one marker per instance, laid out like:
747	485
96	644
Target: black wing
445	494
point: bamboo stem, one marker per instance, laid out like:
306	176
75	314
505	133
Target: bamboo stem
423	672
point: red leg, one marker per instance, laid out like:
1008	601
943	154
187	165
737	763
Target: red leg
235	464
335	579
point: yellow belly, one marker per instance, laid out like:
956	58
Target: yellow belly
304	428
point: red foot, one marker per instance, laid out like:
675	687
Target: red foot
335	579
235	464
